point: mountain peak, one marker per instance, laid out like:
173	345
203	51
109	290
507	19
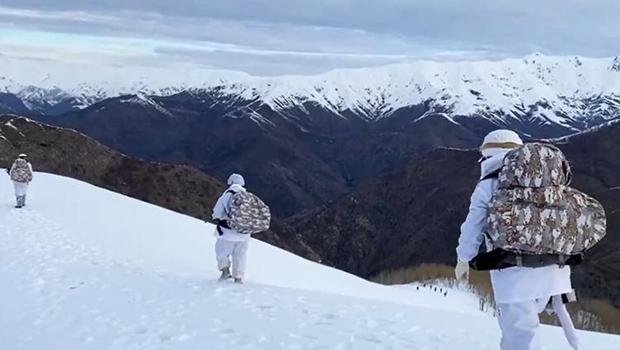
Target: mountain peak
555	89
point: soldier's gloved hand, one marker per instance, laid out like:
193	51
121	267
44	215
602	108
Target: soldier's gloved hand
462	271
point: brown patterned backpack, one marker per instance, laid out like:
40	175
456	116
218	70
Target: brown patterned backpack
20	171
535	212
248	213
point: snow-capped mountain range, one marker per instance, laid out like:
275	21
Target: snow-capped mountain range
564	91
347	126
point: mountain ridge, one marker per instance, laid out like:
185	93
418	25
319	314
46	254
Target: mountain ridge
306	140
180	188
562	90
412	216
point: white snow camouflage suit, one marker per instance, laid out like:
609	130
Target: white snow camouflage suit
21	174
230	243
520	292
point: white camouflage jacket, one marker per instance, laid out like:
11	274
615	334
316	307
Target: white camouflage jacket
515	284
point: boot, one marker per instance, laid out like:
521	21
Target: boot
238	280
225	274
18	201
23	200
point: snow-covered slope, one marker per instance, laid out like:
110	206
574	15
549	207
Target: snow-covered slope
84	268
561	91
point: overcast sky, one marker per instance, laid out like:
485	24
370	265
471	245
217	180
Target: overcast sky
269	37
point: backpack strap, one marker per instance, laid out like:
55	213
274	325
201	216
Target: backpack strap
569	297
492	175
227	206
493	260
222	223
500	259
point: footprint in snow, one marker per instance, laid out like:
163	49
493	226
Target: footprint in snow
140	330
164	338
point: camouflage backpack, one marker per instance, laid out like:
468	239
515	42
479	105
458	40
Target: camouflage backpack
20	172
248	214
534	211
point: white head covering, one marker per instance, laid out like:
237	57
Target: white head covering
500	141
236	179
22	155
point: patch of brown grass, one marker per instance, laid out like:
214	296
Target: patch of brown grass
588	314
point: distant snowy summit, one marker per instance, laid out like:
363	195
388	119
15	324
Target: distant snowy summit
565	90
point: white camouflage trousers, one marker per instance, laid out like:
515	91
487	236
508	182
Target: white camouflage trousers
224	250
519	323
20	193
20	188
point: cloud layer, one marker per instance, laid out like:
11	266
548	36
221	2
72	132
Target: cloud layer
303	36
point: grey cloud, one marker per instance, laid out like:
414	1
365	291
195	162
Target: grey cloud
275	36
269	63
373	32
287	62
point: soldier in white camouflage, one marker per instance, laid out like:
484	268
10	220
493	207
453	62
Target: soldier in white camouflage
238	214
21	174
521	293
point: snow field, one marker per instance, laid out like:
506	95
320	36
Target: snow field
85	268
